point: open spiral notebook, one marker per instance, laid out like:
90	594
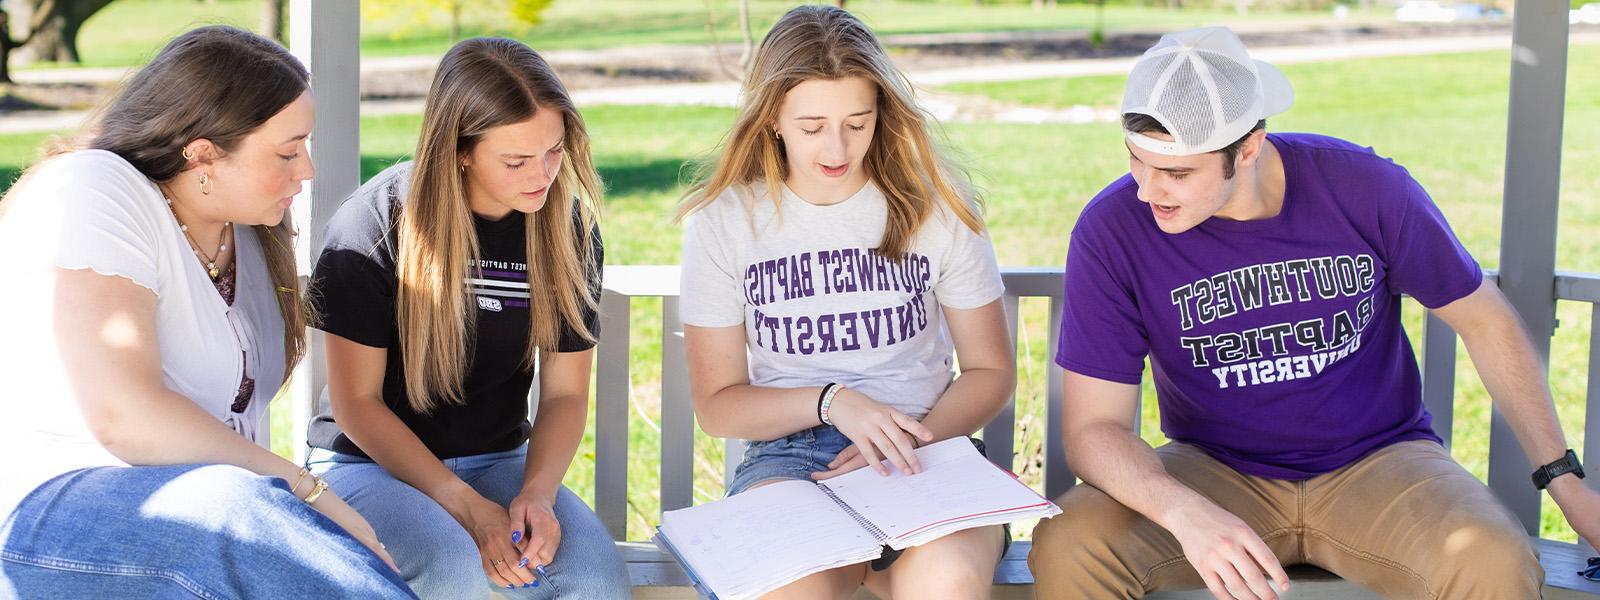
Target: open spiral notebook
752	543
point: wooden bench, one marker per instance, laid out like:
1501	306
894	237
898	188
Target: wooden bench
658	576
326	36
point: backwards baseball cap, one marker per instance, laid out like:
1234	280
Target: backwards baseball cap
1205	89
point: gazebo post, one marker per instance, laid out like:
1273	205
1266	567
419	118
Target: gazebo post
1528	221
326	36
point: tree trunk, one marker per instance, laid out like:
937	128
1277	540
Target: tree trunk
21	12
749	49
455	21
1097	37
272	20
53	31
5	45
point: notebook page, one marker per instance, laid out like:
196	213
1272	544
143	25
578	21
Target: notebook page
756	541
956	484
929	533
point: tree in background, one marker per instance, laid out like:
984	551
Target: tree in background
748	48
272	21
5	45
523	13
1097	36
52	29
529	12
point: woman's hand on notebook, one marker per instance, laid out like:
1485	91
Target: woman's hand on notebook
878	432
847	460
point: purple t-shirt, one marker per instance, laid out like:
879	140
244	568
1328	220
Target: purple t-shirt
1276	344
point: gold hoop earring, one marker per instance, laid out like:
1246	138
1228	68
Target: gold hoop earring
188	154
205	184
777	135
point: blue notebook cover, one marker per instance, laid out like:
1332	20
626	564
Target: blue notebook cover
661	541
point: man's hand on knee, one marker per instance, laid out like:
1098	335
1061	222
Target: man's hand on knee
1229	556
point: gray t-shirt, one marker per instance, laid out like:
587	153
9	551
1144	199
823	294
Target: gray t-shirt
819	306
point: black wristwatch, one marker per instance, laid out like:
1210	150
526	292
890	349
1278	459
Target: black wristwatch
1567	464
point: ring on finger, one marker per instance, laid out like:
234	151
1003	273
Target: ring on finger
497	562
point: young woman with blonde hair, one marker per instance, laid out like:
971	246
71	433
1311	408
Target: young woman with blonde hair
152	311
450	287
832	259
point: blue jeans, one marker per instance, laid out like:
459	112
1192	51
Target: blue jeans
186	531
440	559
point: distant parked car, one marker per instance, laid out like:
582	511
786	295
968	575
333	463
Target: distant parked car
1588	14
1424	11
1468	12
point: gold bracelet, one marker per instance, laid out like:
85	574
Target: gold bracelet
297	481
316	489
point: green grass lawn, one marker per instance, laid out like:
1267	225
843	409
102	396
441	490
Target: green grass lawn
1442	116
128	32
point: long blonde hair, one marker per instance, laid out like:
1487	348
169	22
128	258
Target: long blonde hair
828	43
481	84
219	83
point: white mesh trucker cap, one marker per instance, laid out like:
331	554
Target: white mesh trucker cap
1205	89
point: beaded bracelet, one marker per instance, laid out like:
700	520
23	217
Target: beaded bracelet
820	396
826	403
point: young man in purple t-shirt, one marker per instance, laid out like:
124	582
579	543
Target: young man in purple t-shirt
1262	275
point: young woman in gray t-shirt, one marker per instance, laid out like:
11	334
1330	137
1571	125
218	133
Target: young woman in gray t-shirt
833	259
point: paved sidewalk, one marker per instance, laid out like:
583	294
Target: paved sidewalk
705	52
943	106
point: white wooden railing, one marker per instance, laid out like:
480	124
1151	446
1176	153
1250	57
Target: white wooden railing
615	384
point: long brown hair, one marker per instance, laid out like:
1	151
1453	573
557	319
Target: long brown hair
219	83
481	84
828	43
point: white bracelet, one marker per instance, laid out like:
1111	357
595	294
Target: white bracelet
827	403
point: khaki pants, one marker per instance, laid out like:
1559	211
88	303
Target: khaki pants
1406	522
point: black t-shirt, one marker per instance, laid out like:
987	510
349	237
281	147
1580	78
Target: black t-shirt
354	288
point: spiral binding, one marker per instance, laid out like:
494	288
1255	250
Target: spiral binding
877	534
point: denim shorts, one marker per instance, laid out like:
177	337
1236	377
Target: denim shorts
796	456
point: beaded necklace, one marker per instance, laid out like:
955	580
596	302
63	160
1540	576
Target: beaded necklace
210	261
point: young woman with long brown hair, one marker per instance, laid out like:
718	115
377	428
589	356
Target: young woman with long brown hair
450	287
832	259
152	311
